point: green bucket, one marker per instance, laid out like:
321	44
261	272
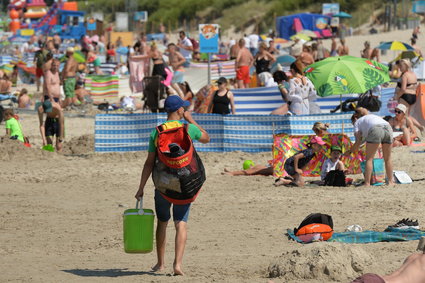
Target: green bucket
138	229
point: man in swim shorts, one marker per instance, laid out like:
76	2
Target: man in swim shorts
68	77
54	124
176	60
243	63
175	107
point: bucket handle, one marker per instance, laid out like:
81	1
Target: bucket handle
139	206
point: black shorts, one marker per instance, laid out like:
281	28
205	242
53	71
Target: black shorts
55	99
409	98
52	127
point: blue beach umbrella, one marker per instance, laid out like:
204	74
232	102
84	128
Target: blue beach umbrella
122	50
395	45
284	60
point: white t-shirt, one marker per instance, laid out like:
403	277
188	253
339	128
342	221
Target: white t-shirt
365	123
253	40
247	42
186	53
328	166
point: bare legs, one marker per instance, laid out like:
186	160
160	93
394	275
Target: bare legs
255	170
371	149
180	243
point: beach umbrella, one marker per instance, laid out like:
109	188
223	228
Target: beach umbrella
122	50
309	33
342	15
346	75
279	40
284	60
79	57
406	55
395	45
301	36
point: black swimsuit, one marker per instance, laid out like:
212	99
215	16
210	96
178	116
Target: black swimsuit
221	104
408	97
262	65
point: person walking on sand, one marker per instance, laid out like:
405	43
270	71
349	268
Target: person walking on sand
175	108
68	77
54	124
176	61
243	63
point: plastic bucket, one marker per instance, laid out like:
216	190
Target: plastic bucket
138	229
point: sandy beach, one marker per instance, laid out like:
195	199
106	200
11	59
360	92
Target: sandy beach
61	214
62	218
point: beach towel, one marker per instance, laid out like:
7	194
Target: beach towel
137	73
218	69
285	146
102	87
203	98
389	235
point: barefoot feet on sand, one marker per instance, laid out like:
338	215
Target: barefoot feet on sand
178	270
158	267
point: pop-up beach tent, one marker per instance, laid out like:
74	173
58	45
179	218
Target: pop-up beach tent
287	26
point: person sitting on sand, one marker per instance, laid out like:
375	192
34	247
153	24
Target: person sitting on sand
13	127
24	100
403	128
295	165
332	163
412	271
321	129
54	124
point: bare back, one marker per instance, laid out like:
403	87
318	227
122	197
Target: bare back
70	68
244	58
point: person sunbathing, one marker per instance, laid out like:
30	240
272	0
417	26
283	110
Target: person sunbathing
402	125
254	170
412	271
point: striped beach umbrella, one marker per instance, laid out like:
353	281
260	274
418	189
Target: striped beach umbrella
395	45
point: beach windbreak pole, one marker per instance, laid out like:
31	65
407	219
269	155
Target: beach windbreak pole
208	42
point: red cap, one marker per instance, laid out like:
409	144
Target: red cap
317	140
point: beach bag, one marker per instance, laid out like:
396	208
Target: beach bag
378	172
335	178
369	101
178	171
315	227
195	44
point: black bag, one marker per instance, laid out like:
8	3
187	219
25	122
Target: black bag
335	178
369	101
316	218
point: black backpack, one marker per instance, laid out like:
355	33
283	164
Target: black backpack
335	178
369	101
316	218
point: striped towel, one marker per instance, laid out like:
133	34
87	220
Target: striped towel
218	69
106	68
103	87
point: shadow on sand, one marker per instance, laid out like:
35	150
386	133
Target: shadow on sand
109	272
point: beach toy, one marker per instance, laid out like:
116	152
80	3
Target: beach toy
138	229
48	147
247	164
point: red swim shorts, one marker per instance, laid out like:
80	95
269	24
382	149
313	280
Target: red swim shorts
39	72
242	74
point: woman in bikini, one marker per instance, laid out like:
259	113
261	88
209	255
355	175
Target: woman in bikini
403	129
158	62
406	88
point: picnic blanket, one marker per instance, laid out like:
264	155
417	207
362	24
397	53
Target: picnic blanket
285	146
102	87
389	235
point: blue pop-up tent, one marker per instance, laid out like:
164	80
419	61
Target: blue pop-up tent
286	25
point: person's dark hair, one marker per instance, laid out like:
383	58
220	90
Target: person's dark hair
182	33
170	44
297	67
187	86
138	44
24	91
280	76
413	41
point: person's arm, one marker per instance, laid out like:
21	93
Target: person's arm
232	102
272	57
402	89
283	92
356	145
180	61
238	58
42	130
47	78
205	138
186	47
146	172
297	157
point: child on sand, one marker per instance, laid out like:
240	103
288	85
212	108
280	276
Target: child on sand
295	165
13	128
333	163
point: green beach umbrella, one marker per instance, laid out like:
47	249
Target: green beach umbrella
78	56
346	75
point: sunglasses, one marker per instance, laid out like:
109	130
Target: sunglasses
398	112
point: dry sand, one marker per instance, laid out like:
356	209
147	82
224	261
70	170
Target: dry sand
61	216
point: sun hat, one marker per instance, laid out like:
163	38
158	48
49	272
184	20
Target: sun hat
317	140
174	102
336	148
401	107
47	106
70	50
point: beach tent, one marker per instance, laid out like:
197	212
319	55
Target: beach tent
287	26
